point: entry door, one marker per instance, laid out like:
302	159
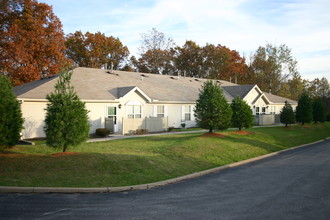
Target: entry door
111	121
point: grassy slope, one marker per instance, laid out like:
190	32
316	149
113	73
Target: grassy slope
144	159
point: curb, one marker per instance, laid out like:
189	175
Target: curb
11	189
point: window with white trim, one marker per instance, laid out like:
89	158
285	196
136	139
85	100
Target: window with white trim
263	110
257	110
160	111
112	113
272	110
187	112
134	111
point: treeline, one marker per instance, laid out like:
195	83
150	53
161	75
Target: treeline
33	46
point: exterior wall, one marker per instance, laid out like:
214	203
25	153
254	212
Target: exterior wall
97	114
34	115
251	96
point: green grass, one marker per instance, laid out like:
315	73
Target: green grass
144	159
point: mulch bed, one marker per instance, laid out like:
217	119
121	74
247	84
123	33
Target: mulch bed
208	134
242	132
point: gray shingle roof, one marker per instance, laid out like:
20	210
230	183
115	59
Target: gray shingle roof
278	99
97	84
238	90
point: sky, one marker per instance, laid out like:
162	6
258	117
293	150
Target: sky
241	25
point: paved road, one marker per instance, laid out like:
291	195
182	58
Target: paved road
293	185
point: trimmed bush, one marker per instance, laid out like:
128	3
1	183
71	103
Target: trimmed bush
103	132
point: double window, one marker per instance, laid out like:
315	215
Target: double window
160	111
134	111
187	112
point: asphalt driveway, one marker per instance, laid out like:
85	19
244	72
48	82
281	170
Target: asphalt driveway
292	185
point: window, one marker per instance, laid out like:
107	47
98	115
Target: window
257	110
134	111
272	110
160	111
112	113
187	112
263	110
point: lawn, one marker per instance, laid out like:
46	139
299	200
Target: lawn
145	159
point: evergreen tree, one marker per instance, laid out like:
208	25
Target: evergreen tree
11	121
212	110
319	112
287	114
66	118
304	112
242	114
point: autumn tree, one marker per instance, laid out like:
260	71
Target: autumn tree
156	55
304	110
187	59
95	50
287	115
66	122
31	41
11	121
242	114
270	67
212	110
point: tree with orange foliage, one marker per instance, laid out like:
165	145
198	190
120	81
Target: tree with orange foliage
31	41
95	50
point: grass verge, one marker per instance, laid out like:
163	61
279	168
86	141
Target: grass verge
145	159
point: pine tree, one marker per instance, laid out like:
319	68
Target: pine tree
66	118
242	114
287	114
212	110
319	112
11	121
304	111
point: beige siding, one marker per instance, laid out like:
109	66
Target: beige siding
34	116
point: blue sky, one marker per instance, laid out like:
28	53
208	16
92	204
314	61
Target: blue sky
242	25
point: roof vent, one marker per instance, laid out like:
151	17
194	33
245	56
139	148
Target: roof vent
112	72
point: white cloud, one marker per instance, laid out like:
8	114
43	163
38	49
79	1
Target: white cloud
242	25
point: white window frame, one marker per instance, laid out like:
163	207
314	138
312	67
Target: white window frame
257	110
187	112
134	111
116	115
160	111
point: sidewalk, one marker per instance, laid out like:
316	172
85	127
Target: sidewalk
120	136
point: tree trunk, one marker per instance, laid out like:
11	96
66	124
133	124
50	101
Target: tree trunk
210	130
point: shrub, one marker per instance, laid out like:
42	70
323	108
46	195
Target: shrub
242	114
287	114
170	129
141	131
103	132
212	110
11	121
304	111
66	122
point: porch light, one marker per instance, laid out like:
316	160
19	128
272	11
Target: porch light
119	106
